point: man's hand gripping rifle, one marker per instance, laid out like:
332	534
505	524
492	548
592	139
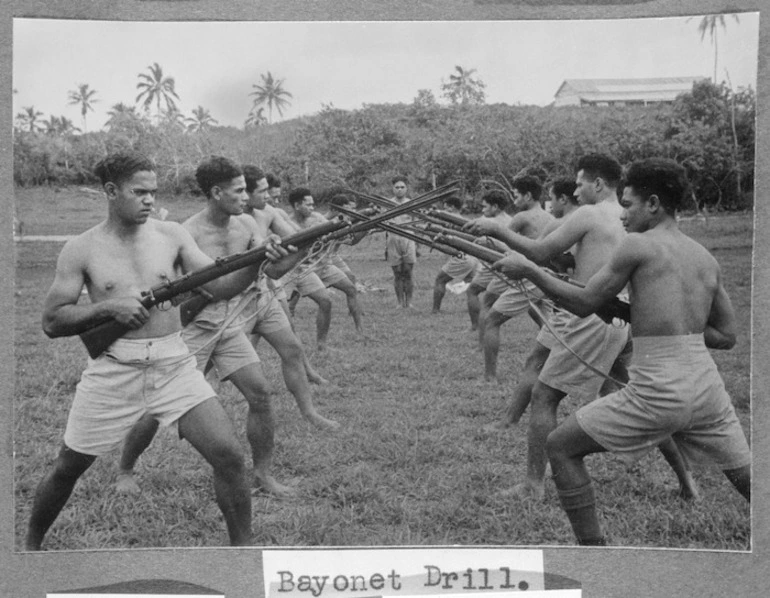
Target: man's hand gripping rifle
101	336
615	308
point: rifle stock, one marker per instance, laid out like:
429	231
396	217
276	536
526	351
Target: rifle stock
98	338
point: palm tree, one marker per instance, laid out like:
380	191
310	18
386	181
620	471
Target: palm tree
200	120
272	93
60	126
463	88
83	97
29	118
710	24
119	114
156	88
255	118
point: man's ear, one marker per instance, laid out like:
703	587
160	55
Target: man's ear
216	192
110	189
653	203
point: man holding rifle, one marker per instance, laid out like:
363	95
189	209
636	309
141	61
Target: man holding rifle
150	369
679	309
216	336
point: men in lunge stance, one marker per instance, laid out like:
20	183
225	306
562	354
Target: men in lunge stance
563	203
216	334
500	301
456	267
268	319
493	205
594	229
150	369
679	309
401	253
305	216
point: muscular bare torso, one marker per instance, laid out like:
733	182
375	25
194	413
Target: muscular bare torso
673	285
603	234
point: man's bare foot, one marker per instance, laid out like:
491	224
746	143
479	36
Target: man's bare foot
319	421
316	378
528	489
689	489
126	484
269	485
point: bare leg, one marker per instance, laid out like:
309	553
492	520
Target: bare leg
209	430
260	427
487	299
491	342
323	316
289	349
312	375
351	295
545	402
567	446
139	438
53	492
439	290
398	285
688	489
522	393
407	270
474	304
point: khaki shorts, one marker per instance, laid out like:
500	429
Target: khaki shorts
305	284
596	342
460	267
557	319
674	390
483	277
228	351
133	377
513	301
401	251
331	275
336	260
268	317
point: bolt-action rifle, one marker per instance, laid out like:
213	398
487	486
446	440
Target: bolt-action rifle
98	338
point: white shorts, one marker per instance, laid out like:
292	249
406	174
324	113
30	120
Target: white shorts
133	377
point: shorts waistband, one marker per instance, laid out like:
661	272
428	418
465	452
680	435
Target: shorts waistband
645	347
147	350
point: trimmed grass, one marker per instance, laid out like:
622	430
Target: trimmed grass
411	465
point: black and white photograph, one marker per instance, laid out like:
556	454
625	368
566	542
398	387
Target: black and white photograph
384	284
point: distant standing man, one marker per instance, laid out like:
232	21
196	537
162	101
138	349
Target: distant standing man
402	253
148	370
679	309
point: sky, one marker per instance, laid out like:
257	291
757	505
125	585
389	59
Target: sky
347	64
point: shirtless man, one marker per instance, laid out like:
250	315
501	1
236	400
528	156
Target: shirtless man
270	218
401	253
493	205
269	319
305	216
456	267
117	259
595	231
563	204
216	334
679	309
500	301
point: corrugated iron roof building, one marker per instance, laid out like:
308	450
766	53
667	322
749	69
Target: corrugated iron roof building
622	92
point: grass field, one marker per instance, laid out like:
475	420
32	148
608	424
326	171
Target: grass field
411	465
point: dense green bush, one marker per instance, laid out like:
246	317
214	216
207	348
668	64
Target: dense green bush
710	131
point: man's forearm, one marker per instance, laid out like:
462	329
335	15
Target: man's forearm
529	248
573	298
